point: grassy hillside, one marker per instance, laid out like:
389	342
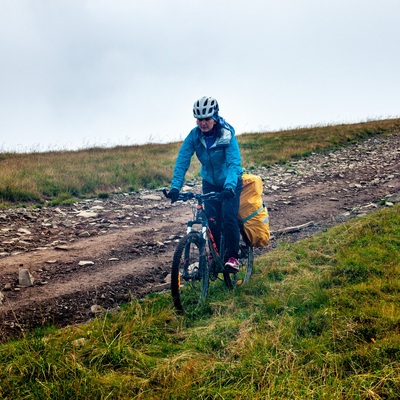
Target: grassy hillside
320	319
59	176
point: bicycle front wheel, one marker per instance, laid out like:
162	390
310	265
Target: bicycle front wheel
189	275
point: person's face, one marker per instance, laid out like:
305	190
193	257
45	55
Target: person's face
205	124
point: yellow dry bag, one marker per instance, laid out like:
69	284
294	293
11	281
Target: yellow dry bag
253	213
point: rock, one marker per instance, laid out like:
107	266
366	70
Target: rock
67	223
85	263
60	247
97	208
87	214
7	286
25	278
393	198
161	287
173	237
24	231
187	188
96	309
1	298
150	197
84	234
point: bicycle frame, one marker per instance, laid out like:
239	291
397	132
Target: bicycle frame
201	218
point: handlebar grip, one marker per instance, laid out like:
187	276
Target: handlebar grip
185	196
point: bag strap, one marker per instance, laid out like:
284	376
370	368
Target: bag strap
244	220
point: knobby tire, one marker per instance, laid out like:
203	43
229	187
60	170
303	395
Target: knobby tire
248	260
189	274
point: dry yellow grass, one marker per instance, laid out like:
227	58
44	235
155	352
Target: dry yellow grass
65	174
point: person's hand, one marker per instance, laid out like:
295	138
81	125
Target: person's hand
226	194
173	194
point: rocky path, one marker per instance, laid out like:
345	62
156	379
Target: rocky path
64	264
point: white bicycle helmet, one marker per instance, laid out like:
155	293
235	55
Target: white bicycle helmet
205	107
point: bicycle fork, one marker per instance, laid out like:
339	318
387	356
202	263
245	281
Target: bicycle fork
202	245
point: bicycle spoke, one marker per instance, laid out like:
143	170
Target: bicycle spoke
189	275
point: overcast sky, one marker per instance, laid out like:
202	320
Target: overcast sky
77	73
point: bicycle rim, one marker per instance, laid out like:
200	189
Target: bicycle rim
189	275
248	262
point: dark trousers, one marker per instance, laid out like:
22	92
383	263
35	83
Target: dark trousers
229	209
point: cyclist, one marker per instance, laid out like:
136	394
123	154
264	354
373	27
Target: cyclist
214	142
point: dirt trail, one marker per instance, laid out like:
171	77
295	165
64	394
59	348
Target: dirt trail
99	253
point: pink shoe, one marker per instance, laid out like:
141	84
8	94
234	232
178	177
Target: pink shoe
232	265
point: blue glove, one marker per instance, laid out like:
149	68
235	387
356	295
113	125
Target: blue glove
226	194
173	195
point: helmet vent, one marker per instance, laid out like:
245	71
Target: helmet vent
206	107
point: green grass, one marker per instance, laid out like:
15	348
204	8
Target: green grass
320	319
61	176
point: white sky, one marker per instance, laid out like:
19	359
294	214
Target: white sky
77	73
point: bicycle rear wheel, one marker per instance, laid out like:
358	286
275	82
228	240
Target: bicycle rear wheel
246	259
189	274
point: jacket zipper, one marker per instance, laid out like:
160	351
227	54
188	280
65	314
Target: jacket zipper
212	166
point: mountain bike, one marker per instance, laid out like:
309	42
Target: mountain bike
197	260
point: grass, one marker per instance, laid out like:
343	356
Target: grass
320	319
58	176
61	176
264	149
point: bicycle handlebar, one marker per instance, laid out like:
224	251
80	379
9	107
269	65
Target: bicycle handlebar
185	196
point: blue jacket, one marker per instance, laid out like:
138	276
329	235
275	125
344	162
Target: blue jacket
220	164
